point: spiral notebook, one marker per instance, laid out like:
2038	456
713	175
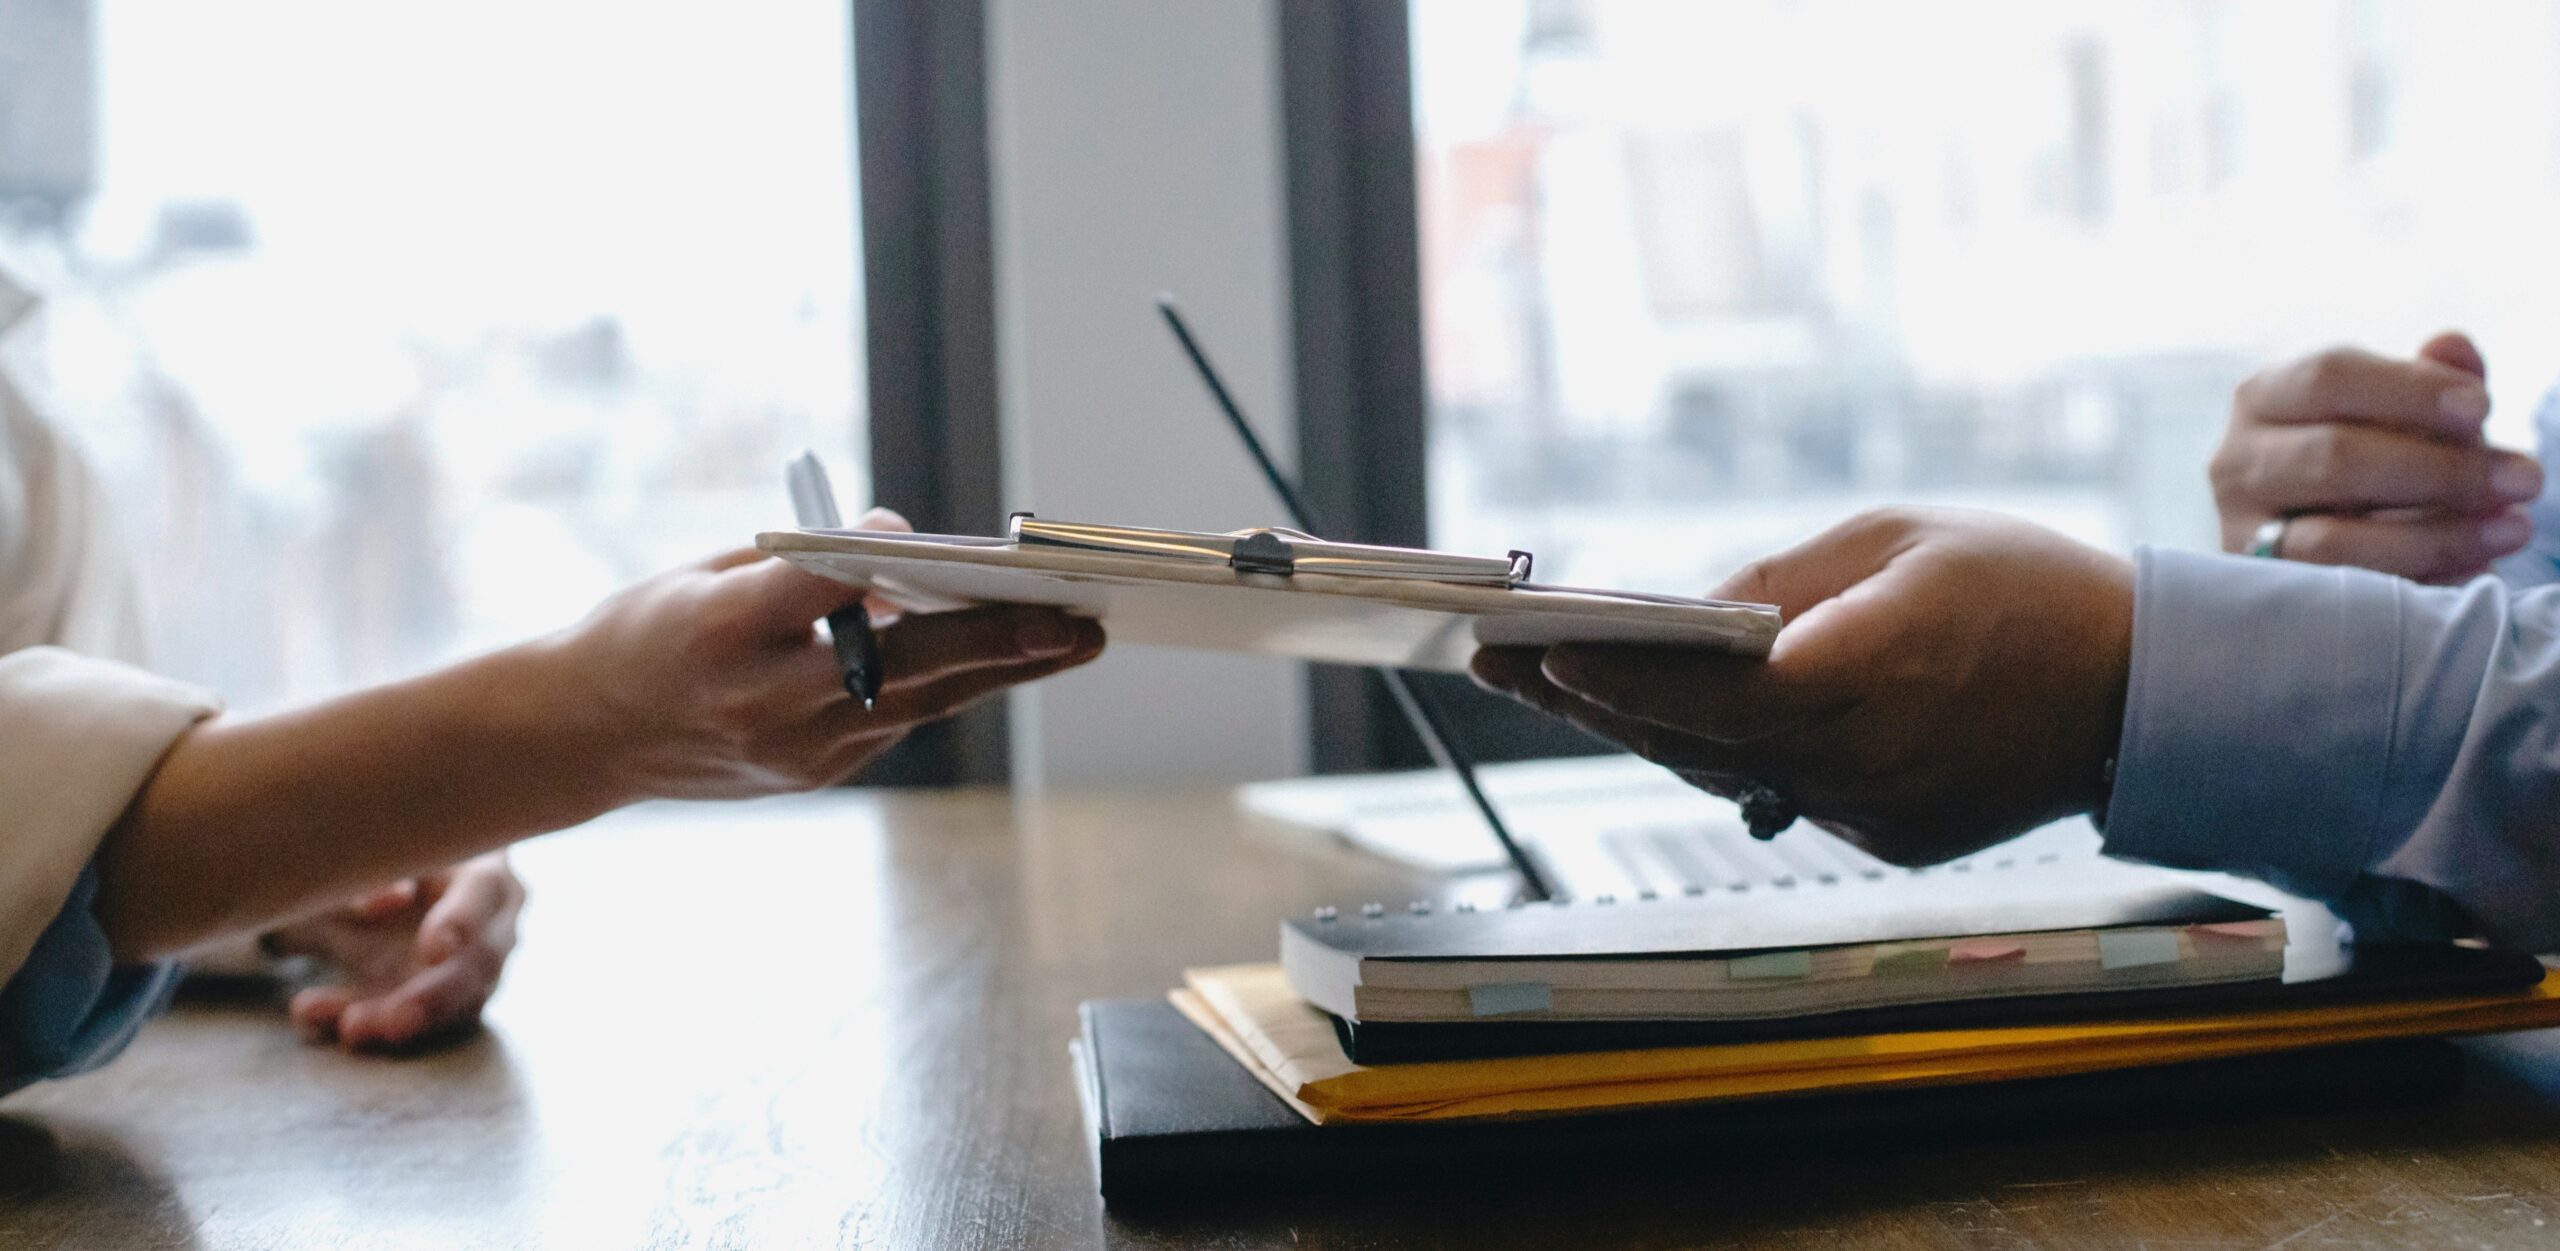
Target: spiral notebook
1788	948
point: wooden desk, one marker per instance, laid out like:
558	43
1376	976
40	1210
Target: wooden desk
843	1021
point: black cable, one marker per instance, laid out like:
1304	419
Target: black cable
1423	715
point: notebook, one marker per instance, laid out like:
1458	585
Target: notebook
1290	1047
2002	929
1171	1119
1397	622
2350	975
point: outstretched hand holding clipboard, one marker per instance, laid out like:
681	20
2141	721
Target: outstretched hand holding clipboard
1384	607
1268	592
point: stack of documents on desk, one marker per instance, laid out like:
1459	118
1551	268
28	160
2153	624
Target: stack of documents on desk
1805	948
1292	1048
2002	942
2024	991
1172	1118
1235	1080
1239	1084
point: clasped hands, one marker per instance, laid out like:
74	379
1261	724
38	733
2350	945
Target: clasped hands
1947	680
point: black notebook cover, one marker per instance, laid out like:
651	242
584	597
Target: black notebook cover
2372	975
1172	1119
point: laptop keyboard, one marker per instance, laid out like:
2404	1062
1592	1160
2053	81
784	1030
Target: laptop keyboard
1606	826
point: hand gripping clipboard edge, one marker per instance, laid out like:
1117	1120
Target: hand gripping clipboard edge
1356	620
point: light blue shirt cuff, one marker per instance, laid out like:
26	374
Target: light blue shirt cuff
2258	719
71	1007
2539	563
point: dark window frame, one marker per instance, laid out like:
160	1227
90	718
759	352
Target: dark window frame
1346	75
920	120
1355	288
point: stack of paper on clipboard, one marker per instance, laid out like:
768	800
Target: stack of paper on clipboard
1269	591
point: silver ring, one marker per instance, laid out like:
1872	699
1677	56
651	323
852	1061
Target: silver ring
2267	541
1764	811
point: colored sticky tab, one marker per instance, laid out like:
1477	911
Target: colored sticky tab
1987	953
2247	930
1771	964
1504	998
1909	961
2136	948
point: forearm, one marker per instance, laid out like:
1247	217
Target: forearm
706	682
2353	738
248	821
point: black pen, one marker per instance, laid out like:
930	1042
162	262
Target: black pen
857	649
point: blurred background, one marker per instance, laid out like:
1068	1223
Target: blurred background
406	330
1702	278
402	330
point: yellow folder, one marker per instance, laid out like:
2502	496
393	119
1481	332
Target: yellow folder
1291	1048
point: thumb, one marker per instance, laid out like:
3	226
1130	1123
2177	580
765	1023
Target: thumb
2455	350
384	901
885	519
478	909
1797	579
1812	670
784	597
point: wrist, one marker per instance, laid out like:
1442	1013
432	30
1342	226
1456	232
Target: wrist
535	701
2109	684
2258	728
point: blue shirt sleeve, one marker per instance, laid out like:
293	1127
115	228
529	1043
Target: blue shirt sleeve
2539	563
71	1007
2389	749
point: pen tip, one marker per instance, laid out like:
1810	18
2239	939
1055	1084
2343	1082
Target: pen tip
868	703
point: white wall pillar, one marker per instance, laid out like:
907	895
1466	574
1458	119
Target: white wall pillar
1135	146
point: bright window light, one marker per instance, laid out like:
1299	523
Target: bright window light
1700	279
402	330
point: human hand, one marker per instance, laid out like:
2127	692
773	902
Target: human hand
414	961
2379	463
710	682
706	682
1945	680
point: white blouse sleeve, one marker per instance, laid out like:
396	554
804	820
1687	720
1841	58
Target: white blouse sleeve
80	729
78	738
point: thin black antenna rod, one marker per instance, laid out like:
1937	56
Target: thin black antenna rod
1419	711
1280	484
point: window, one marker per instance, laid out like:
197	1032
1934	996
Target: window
1701	279
405	330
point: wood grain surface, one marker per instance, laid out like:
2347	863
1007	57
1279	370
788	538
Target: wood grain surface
842	1021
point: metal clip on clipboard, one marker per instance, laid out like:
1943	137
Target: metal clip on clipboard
1275	550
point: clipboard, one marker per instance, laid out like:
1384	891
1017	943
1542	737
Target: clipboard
1268	591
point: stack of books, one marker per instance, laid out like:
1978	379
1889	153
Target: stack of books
2013	996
